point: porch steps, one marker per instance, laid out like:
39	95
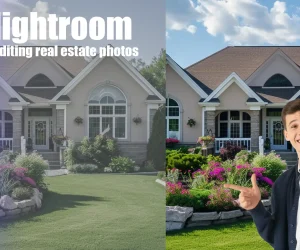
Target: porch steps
52	158
291	158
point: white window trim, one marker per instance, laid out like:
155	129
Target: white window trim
110	115
3	121
173	118
240	121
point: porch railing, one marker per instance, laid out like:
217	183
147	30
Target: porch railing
243	142
6	143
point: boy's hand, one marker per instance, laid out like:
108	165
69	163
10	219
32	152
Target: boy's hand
249	197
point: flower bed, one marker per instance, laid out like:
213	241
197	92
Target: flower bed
20	181
203	190
10	208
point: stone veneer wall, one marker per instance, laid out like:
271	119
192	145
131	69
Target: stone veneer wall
135	151
11	209
183	217
60	121
255	124
17	129
209	122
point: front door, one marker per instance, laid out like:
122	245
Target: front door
278	141
40	134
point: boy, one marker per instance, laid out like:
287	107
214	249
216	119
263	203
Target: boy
281	229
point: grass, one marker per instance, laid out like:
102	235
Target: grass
239	236
93	212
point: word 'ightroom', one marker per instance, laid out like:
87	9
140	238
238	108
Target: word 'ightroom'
38	28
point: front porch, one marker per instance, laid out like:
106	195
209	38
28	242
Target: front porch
36	124
243	128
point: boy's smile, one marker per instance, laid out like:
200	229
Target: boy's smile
292	130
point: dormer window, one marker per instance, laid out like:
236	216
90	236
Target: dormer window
40	81
278	80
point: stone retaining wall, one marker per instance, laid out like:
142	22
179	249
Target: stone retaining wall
10	209
183	217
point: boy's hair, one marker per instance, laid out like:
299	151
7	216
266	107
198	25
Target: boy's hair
290	108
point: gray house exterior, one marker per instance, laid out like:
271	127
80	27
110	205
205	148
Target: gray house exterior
41	97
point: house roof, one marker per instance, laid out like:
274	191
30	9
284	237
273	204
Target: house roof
272	95
71	65
35	95
244	61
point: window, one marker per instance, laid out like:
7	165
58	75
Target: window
107	112
278	80
6	125
234	124
40	80
172	119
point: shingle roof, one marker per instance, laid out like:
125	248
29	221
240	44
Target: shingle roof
244	61
72	65
275	95
35	95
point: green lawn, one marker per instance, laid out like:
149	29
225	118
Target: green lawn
93	212
239	236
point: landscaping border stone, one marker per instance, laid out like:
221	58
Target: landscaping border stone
15	209
183	217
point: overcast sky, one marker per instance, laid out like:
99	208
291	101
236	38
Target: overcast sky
148	19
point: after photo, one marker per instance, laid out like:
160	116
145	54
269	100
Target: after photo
232	124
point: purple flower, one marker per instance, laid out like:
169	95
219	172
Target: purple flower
267	180
29	181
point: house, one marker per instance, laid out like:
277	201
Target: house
235	94
42	96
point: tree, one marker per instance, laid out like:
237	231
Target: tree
156	147
155	72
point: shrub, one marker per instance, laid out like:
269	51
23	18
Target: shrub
199	182
98	150
220	200
201	194
228	164
178	196
35	165
172	175
229	151
121	164
7	157
22	193
183	149
215	158
83	168
7	184
272	163
149	166
157	144
185	162
185	200
244	156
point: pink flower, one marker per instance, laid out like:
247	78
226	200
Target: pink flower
29	181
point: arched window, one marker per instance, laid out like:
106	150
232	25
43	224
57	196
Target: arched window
107	111
6	125
234	124
278	80
172	119
40	80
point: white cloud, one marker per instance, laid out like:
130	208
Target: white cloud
240	22
42	8
62	9
167	35
192	29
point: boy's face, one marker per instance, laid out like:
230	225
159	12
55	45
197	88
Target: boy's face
292	131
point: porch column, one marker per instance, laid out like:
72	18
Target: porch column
255	130
209	122
17	129
60	120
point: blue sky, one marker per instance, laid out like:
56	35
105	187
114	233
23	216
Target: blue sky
199	28
148	19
